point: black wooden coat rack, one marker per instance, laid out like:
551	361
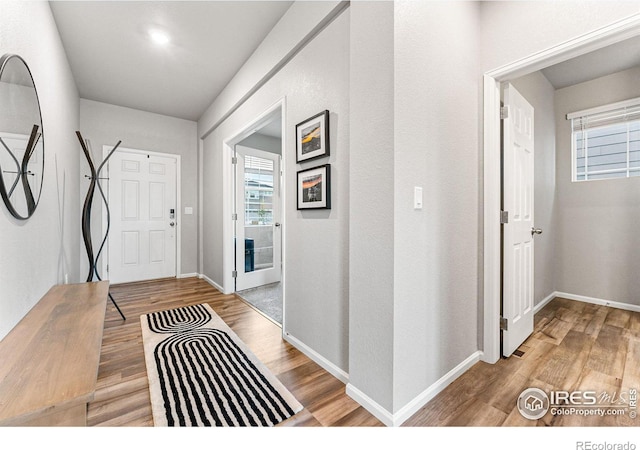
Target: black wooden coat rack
86	214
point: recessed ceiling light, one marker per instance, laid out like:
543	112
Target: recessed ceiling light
159	37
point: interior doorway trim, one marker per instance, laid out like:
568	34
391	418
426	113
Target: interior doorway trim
105	151
228	187
602	37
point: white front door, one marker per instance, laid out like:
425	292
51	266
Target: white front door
518	189
142	202
258	230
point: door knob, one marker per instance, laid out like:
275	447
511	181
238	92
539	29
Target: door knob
535	231
172	224
277	224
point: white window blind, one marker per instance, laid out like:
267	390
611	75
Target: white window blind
606	141
258	185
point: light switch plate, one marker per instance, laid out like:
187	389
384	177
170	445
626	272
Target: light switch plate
188	210
417	197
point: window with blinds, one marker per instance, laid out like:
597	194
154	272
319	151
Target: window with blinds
258	188
606	141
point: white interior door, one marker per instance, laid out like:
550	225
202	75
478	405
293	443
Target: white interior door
258	231
142	201
518	248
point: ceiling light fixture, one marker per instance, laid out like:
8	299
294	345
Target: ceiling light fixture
159	37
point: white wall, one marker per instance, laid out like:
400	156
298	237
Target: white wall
104	124
436	251
371	185
39	252
598	237
212	229
316	242
413	296
515	29
540	94
300	23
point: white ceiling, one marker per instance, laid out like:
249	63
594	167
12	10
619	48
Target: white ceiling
114	61
614	58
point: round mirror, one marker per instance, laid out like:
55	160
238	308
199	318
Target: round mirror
21	140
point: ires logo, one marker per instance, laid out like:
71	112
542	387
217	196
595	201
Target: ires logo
575	398
591	398
534	403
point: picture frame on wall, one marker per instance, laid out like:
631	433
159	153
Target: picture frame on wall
314	188
312	137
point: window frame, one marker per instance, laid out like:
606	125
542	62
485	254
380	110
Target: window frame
616	114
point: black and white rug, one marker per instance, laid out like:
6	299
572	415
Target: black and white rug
201	374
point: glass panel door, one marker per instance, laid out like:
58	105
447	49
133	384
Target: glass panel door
258	213
258	231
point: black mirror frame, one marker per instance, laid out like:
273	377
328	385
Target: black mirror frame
36	134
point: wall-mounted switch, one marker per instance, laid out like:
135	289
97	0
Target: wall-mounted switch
417	197
188	210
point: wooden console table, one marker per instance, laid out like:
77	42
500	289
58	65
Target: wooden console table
49	361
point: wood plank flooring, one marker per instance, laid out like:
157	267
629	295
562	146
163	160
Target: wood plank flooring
574	346
122	396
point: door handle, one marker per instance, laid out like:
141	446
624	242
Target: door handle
277	224
535	231
172	224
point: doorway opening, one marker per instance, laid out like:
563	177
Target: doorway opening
143	217
256	204
493	259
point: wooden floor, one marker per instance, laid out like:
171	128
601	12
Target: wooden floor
122	397
575	346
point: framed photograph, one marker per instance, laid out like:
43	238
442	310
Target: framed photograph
312	137
314	188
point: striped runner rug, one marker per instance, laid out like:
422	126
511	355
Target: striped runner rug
201	374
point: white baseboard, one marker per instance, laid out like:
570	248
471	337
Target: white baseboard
428	394
211	282
544	302
370	405
317	358
187	275
397	419
598	301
